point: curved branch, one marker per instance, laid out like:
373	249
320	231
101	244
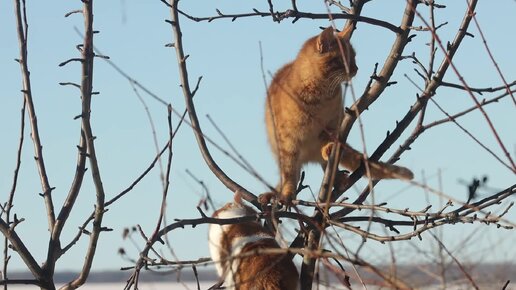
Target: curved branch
86	93
181	61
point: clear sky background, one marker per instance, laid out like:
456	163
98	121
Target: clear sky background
134	34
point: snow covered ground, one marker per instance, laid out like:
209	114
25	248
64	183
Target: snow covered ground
119	286
204	286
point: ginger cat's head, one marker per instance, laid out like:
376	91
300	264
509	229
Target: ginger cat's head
334	61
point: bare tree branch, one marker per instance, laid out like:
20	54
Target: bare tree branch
296	15
181	60
86	93
507	86
24	253
470	279
9	204
480	90
22	30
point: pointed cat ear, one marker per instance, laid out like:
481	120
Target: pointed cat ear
325	39
345	34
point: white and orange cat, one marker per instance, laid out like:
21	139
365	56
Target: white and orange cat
239	253
304	109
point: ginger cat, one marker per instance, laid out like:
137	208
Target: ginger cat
304	109
258	271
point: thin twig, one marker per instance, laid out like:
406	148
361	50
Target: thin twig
448	56
480	90
248	165
507	86
9	203
460	114
420	128
153	129
468	276
22	29
470	135
296	15
166	181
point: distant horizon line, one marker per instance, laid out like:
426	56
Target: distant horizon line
411	272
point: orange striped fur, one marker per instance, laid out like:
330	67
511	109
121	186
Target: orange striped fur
239	252
304	110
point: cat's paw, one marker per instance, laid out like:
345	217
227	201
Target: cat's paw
267	198
326	151
287	195
286	200
341	180
274	200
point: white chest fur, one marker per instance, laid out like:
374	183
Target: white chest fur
216	235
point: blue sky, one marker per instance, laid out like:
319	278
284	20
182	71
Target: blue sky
226	54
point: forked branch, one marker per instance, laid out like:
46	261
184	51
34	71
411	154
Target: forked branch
86	97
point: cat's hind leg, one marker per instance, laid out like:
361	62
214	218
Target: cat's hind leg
290	167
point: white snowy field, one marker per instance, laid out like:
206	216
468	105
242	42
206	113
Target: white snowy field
205	285
120	285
